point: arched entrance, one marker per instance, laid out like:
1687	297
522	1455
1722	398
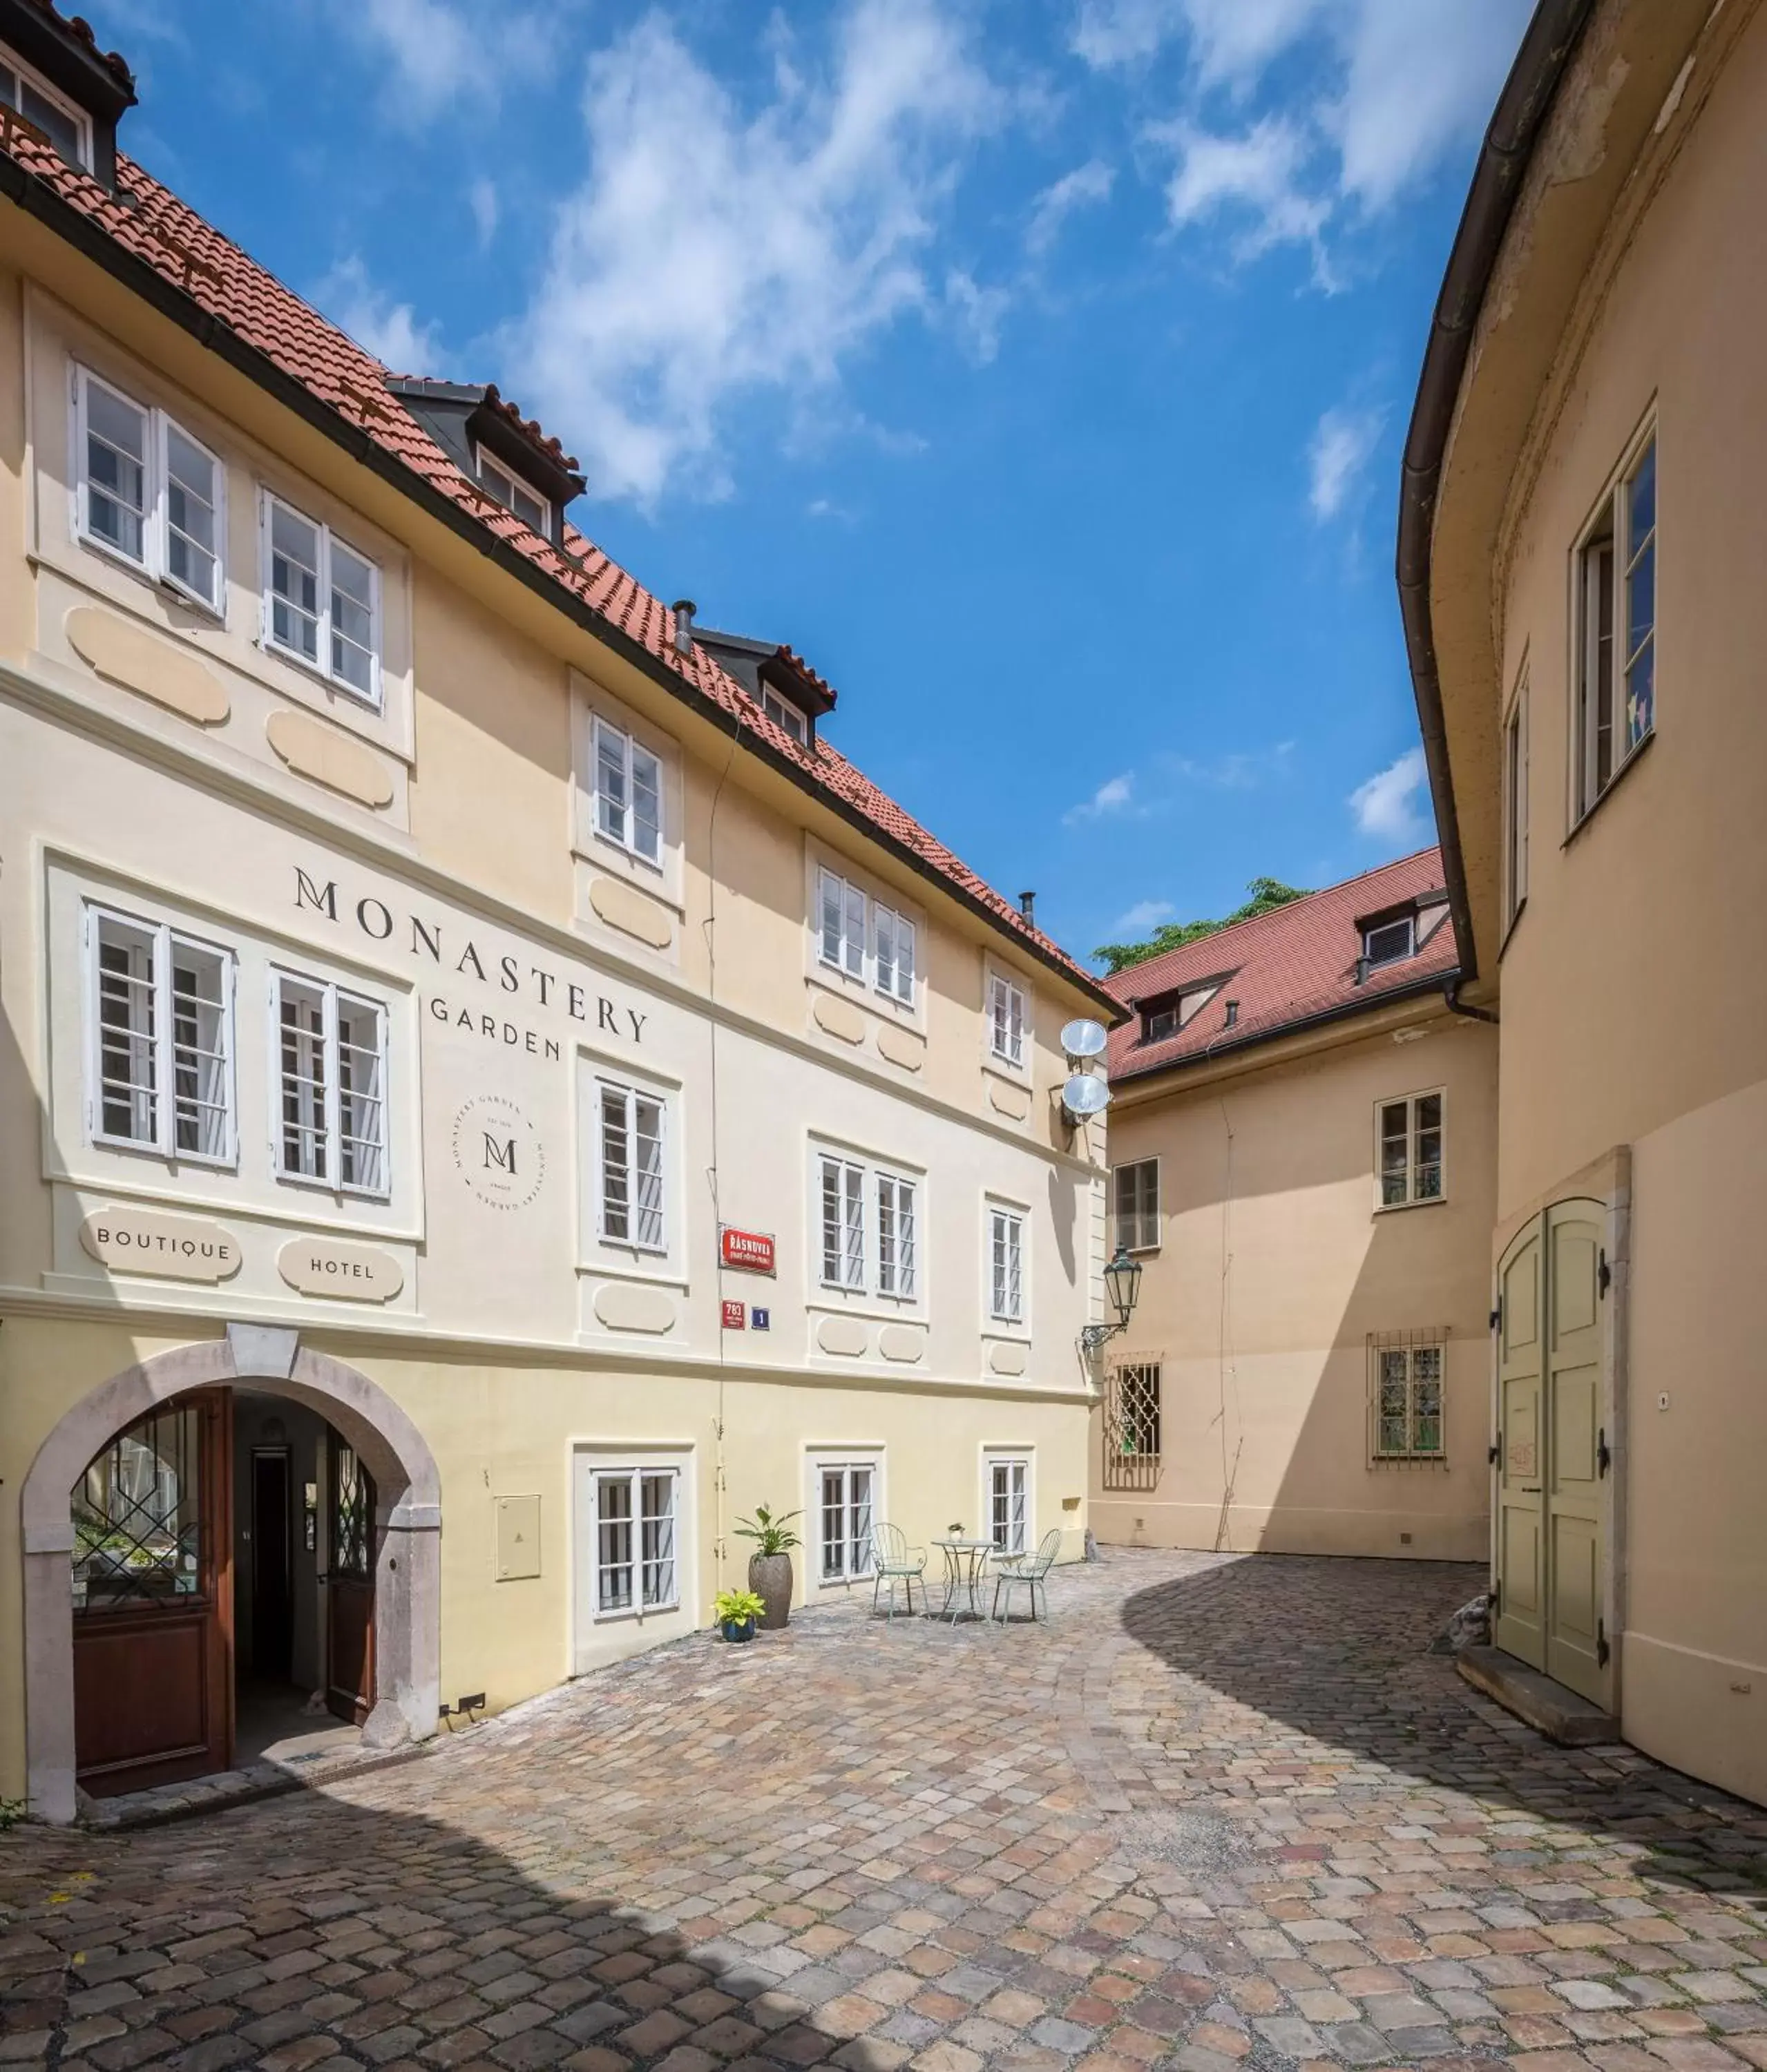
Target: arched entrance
406	1580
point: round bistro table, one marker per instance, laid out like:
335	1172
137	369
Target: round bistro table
964	1560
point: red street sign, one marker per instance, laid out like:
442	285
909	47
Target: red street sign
750	1251
735	1316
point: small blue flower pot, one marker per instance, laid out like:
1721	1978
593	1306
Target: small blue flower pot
740	1628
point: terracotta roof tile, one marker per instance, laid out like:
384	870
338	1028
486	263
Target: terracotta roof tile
148	220
1284	967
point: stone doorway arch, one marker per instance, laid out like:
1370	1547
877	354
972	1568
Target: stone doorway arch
408	1597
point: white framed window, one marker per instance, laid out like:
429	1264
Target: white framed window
1390	942
631	1189
147	493
841	915
846	1493
1135	1197
1006	1265
321	601
1007	1019
67	127
892	936
636	1529
330	1068
160	1021
1615	626
513	494
840	1191
1408	1149
1515	806
628	792
1406	1409
782	712
898	1236
1009	1501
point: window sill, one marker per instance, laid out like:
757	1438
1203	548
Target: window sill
636	1617
1632	756
1509	928
172	1160
1384	1462
363	701
864	993
1003	1068
1399	1208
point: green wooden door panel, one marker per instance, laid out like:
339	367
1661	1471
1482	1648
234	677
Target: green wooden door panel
1521	1624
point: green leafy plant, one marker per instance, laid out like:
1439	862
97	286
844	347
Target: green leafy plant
12	1812
737	1606
770	1534
1267	893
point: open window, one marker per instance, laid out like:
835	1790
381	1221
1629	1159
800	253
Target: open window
1615	630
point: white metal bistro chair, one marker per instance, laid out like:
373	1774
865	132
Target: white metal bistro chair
893	1561
1025	1572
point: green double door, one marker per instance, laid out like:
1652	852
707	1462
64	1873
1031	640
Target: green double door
1553	1472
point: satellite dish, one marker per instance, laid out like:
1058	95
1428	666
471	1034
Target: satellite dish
1084	1039
1083	1095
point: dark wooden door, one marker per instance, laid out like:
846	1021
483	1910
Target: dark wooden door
350	1642
154	1600
273	1574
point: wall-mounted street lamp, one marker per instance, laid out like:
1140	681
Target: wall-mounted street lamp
1122	1287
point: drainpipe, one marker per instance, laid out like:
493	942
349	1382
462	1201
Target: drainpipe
1451	996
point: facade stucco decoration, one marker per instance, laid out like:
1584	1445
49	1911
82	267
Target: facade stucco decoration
407	1579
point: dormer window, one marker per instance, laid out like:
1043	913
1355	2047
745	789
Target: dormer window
514	494
1162	1019
1390	943
31	95
784	715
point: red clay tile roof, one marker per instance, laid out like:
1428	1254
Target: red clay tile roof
147	221
1284	967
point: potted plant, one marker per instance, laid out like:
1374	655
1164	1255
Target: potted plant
770	1565
736	1612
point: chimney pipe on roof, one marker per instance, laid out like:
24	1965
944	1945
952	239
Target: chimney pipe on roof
1027	907
684	609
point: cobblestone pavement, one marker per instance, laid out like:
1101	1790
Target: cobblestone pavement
1216	1813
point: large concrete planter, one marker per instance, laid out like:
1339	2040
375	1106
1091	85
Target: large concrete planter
770	1578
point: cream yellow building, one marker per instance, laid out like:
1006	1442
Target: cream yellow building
1302	1150
492	1094
1581	542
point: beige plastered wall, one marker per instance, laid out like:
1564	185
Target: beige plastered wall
1633	999
1275	1265
522	1345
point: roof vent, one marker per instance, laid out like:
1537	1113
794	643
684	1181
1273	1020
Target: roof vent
1232	1013
684	609
1027	907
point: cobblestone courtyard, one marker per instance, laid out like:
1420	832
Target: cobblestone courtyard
1217	1813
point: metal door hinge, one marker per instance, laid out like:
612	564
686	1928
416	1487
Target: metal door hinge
1603	1454
1602	1649
1497	1317
1494	1452
1604	1273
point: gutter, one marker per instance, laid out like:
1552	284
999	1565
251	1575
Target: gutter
1547	47
89	237
1451	999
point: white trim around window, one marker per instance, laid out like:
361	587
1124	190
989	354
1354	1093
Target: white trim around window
1007	1262
159	1018
147	493
321	602
1008	1020
867	1217
1009	1512
844	1496
1515	806
1613	624
328	1068
635	1541
1410	1147
68	128
632	1151
626	791
503	483
865	939
1134	1204
785	714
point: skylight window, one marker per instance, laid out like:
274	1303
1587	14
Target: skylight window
513	494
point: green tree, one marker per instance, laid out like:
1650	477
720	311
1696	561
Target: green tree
1267	893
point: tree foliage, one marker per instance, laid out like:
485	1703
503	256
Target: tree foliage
1267	893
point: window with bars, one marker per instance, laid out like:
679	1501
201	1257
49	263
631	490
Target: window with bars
633	1195
147	491
846	1516
352	1516
1407	1420
1009	1503
1006	1265
1135	1202
1131	1426
1007	1018
162	1067
332	1064
138	1514
636	1522
321	601
1616	675
1408	1149
628	793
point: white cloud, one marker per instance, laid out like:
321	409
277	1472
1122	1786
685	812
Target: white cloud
1085	187
481	199
1145	914
389	330
978	312
1343	443
711	251
441	50
1254	178
1115	795
1392	805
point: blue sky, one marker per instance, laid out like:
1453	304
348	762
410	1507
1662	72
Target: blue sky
1038	369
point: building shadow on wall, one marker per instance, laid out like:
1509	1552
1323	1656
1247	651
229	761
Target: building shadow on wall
1339	1649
